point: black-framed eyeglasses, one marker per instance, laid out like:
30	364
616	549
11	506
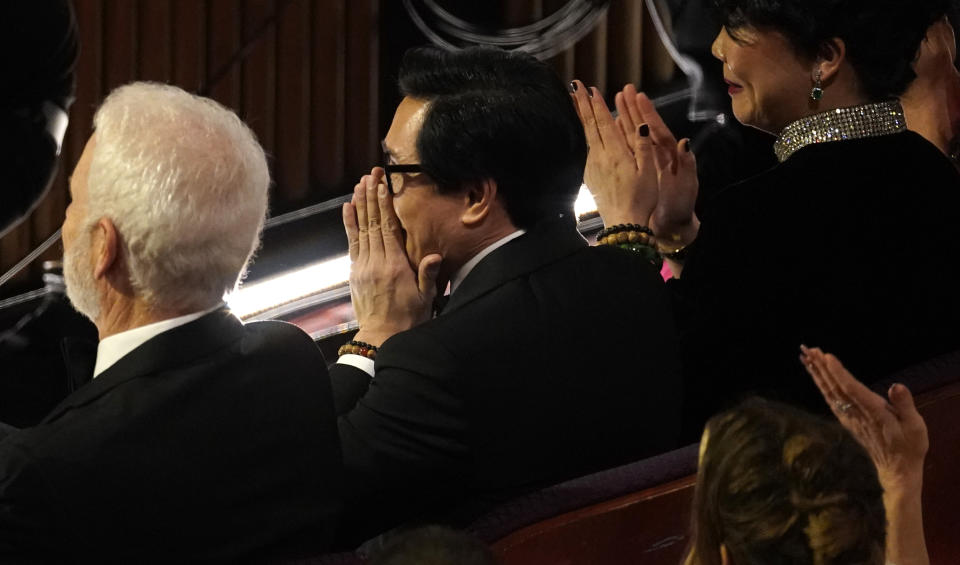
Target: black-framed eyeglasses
389	171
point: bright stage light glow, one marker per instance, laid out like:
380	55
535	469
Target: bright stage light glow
276	291
255	298
585	203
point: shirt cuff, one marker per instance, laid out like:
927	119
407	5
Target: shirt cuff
358	361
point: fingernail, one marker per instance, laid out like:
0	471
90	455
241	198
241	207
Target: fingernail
573	86
643	130
590	92
686	145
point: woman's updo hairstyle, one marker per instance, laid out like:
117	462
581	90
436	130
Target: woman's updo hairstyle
882	37
777	485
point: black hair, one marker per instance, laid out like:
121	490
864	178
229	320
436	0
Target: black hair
500	115
882	37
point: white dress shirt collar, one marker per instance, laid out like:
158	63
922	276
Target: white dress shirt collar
117	346
463	271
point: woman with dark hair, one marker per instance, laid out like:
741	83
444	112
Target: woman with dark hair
855	203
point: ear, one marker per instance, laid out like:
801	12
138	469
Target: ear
480	200
106	244
832	55
724	555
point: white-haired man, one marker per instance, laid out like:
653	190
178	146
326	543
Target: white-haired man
199	438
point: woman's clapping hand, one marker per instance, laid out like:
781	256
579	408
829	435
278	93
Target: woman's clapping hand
636	169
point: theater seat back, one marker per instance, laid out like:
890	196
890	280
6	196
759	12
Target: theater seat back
941	477
936	388
639	509
649	527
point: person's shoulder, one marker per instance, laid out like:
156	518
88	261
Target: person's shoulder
277	330
275	336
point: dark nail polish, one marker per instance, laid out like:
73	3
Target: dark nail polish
643	130
686	145
573	86
590	92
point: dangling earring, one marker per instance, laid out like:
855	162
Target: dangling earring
817	92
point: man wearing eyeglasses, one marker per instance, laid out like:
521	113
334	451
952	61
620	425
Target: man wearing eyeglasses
550	358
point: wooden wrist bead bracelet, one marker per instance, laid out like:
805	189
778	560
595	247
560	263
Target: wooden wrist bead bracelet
358	348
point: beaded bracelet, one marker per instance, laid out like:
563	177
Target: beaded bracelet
648	252
624	228
640	237
358	348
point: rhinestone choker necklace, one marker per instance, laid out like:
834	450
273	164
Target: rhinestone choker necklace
869	120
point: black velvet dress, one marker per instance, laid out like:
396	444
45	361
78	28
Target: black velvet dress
852	246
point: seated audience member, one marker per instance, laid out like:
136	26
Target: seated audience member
854	203
434	545
199	438
895	436
777	485
931	104
552	359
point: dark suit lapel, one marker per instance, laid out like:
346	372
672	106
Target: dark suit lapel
546	243
168	350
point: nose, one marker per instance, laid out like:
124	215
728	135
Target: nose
716	49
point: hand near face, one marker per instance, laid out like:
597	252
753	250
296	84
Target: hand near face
893	433
625	193
388	296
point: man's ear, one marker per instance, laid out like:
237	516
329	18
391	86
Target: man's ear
480	199
106	247
830	58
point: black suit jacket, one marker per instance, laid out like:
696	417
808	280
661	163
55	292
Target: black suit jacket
851	246
551	360
211	441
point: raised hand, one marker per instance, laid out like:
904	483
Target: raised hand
893	432
388	296
673	220
625	193
895	436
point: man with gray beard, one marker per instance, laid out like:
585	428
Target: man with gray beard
199	437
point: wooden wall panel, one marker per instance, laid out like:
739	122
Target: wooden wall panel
189	43
328	92
260	75
156	56
120	48
362	145
293	88
223	42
